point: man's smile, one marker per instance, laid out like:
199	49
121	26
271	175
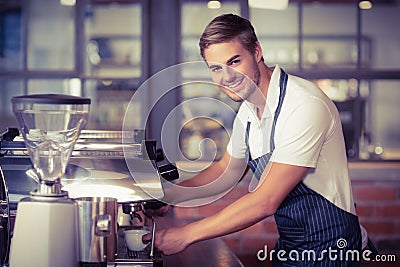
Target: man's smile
235	84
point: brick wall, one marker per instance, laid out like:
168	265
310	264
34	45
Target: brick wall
378	207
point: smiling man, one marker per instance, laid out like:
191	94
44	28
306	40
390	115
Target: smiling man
289	133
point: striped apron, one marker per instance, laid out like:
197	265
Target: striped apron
312	230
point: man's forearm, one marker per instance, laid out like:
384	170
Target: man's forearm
241	214
205	177
216	179
279	180
201	186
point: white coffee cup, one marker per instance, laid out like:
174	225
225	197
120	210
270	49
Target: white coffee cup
133	239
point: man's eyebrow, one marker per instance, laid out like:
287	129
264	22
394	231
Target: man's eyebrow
212	66
228	62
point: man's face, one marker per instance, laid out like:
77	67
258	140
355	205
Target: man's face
233	68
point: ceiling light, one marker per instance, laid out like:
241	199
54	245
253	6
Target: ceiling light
365	5
68	2
269	4
214	4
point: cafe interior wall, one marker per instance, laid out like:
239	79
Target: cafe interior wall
51	48
378	25
59	56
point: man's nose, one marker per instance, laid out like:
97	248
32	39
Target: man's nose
228	74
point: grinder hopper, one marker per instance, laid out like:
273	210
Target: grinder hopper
50	125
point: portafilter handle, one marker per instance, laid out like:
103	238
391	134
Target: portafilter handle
132	208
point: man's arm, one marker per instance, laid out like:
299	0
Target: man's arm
246	211
217	178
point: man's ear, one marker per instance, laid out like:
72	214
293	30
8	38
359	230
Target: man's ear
258	52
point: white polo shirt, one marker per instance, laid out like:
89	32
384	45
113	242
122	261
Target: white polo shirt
308	133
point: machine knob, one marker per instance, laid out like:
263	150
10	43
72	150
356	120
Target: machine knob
169	172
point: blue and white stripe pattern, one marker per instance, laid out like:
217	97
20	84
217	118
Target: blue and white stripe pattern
308	221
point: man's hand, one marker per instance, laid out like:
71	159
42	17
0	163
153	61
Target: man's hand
170	241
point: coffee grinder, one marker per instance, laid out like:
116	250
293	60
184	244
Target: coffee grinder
45	230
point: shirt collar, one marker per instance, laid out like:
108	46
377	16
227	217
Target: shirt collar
272	97
273	91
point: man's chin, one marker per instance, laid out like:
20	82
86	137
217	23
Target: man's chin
237	99
241	97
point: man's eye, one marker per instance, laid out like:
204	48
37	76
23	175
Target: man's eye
215	69
235	62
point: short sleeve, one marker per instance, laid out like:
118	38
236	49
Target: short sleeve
237	146
302	132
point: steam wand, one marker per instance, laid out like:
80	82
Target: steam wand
153	231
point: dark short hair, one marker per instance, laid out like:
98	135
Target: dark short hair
225	28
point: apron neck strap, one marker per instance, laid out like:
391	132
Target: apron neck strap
282	91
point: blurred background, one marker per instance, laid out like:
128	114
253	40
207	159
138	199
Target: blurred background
108	49
105	49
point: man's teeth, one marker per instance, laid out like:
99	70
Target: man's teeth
234	84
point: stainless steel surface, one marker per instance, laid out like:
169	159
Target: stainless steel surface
49	190
111	177
97	226
90	143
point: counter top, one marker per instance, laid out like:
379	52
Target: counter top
360	170
213	252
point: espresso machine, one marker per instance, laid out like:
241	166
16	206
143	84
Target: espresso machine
50	194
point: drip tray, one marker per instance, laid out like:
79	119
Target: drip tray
137	259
